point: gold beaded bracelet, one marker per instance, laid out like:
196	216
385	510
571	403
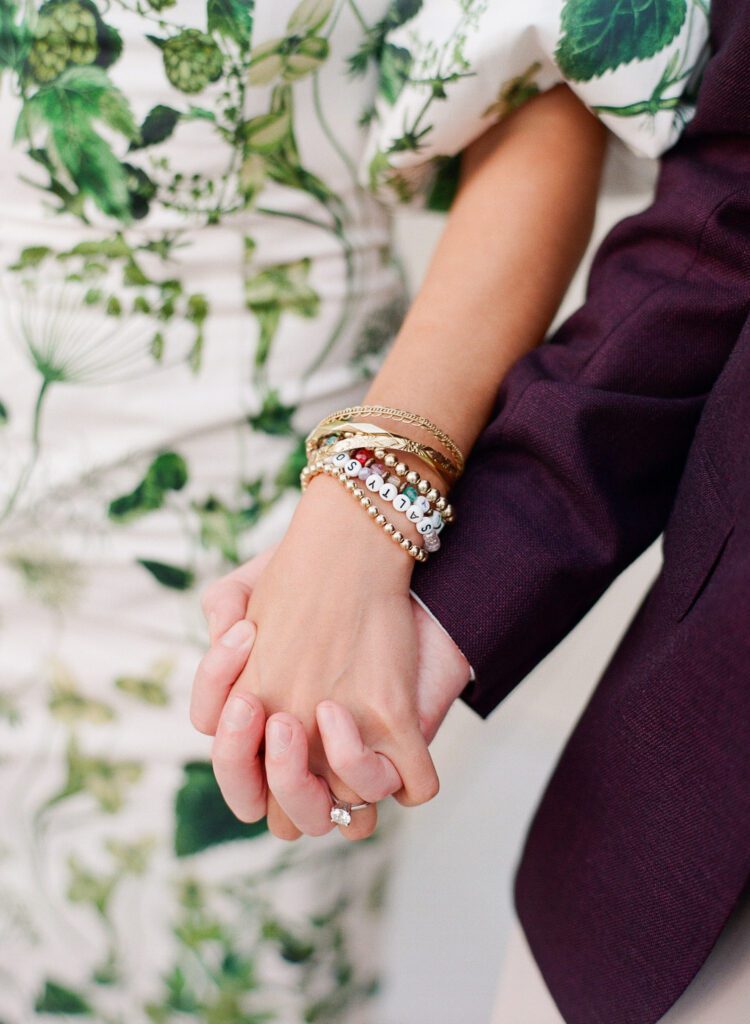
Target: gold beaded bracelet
369	435
402	416
418	553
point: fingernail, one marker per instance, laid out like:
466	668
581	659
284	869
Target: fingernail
237	713
279	738
238	635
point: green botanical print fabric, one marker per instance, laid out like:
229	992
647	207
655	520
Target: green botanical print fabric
195	264
448	68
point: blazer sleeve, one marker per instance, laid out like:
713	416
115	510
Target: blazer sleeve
577	470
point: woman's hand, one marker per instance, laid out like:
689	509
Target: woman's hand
341	648
334	623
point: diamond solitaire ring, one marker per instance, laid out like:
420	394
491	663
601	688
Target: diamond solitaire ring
341	812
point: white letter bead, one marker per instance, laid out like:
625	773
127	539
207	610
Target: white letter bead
422	504
373	482
437	522
352	467
432	541
341	458
413	514
388	492
424	526
401	503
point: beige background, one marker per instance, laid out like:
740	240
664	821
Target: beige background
451	908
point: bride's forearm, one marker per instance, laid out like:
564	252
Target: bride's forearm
516	232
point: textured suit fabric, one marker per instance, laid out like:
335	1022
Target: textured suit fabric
641	844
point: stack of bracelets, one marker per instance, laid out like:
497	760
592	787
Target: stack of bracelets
362	456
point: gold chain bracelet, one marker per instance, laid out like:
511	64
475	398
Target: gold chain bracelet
369	435
402	416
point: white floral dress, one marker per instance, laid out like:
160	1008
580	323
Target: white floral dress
195	264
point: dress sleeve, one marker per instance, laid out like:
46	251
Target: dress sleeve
448	69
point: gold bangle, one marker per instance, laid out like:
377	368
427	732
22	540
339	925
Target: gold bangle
416	552
402	416
369	435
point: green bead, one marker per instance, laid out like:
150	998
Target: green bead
411	493
331	439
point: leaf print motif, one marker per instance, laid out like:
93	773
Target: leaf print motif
231	18
58	999
151	689
69	705
202	818
172	576
157	126
15	38
395	65
65	112
599	35
167	472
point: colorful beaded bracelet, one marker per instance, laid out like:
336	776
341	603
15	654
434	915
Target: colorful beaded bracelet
428	511
391	461
418	553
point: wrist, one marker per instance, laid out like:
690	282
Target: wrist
327	514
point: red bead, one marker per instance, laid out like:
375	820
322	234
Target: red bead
362	456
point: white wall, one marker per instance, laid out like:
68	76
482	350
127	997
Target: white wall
450	899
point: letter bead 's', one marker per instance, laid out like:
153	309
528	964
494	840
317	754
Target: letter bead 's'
401	503
374	482
388	492
352	467
424	526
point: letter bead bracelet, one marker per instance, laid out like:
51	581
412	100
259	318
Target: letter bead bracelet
421	504
367	460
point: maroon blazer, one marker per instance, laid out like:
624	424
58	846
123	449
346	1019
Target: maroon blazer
635	417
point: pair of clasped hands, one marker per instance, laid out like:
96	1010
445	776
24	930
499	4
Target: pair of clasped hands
324	677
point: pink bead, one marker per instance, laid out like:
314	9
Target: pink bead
364	472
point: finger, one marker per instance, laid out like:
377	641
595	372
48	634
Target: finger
217	673
278	821
365	771
225	600
363	822
302	796
237	766
414	764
